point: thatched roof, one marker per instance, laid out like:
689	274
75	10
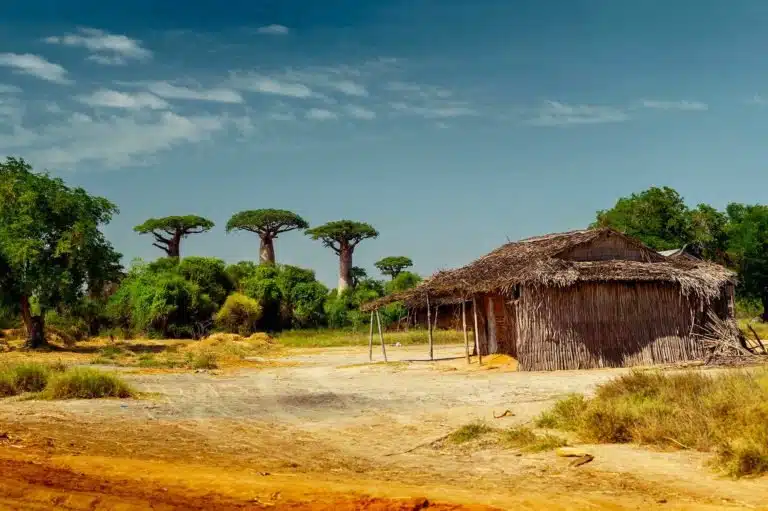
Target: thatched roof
537	261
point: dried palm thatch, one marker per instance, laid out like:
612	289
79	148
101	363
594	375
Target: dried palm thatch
726	344
549	261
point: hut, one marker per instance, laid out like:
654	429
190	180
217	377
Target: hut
583	299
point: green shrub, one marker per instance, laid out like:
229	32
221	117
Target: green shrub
86	383
469	432
26	377
239	315
565	414
525	439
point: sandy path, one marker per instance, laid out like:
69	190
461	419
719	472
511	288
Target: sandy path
334	420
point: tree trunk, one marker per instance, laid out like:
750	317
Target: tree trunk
174	246
34	325
764	299
345	269
267	251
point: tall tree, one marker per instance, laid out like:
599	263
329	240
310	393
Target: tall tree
170	230
657	216
394	265
51	245
342	237
268	224
357	274
748	248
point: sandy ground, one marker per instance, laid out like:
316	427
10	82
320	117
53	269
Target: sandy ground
331	431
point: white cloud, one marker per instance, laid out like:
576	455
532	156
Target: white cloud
34	65
320	114
264	84
758	100
9	89
555	113
273	30
115	99
112	142
420	91
218	95
282	116
434	111
359	112
106	48
675	105
350	88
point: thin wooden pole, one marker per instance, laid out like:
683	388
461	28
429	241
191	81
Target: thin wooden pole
370	341
464	327
477	333
381	336
429	332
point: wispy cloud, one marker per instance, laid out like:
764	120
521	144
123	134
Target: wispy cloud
555	113
267	85
170	91
758	100
116	99
274	30
436	111
674	105
350	88
320	114
419	91
9	89
114	141
34	65
359	112
105	48
282	116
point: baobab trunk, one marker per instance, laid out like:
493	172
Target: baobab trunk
174	246
345	269
267	251
34	325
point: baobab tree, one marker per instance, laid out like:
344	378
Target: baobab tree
268	224
393	265
342	237
169	231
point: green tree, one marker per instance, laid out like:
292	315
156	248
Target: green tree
357	274
240	271
268	224
170	230
210	274
342	237
748	248
51	245
392	266
657	216
404	281
710	234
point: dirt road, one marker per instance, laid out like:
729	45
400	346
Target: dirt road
332	430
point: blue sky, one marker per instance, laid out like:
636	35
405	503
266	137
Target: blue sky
451	126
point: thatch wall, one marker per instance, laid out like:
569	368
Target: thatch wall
594	325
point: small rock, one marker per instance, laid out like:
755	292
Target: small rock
661	501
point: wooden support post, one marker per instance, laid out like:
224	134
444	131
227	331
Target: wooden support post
477	332
381	336
464	327
370	341
429	332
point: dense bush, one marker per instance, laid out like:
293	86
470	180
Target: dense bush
86	383
239	315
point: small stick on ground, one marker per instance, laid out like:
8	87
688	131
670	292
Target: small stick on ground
507	413
430	442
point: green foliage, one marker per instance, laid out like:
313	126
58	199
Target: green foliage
392	266
184	225
657	216
342	233
239	315
726	414
525	439
210	274
327	338
204	360
86	383
266	222
240	271
403	281
51	244
748	244
162	302
308	299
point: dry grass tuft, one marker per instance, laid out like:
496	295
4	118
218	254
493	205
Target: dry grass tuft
26	377
726	414
86	383
469	432
525	439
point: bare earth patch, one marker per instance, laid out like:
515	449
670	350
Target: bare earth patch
330	431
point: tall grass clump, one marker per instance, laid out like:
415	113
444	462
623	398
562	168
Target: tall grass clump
86	383
726	414
525	439
469	432
26	377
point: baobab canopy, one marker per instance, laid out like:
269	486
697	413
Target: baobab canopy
268	224
168	231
